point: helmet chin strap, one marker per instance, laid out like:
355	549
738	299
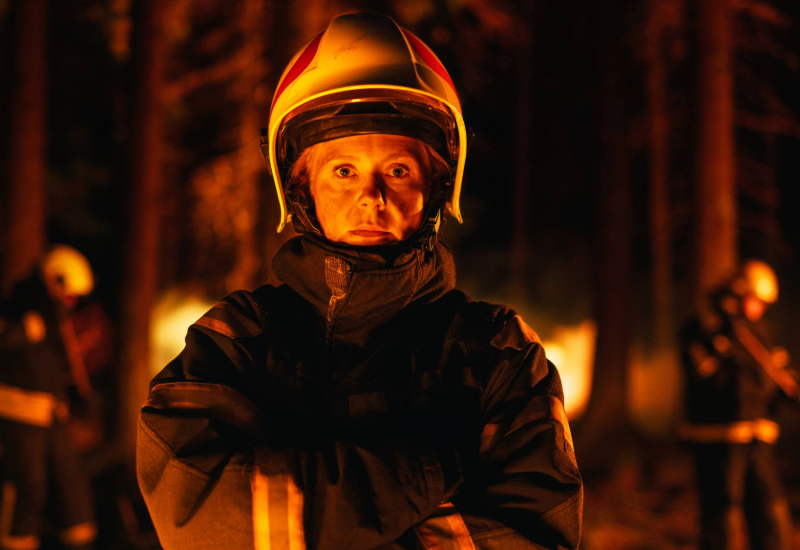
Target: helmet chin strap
432	218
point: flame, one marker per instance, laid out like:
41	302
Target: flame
571	349
172	316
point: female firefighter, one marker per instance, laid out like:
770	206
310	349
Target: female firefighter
364	403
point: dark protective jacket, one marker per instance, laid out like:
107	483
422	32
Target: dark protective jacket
364	404
40	366
38	463
729	396
737	388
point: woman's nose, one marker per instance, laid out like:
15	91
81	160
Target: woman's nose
373	193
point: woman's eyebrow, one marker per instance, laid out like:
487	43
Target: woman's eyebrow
406	155
338	158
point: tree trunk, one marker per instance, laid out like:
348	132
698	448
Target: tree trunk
295	24
660	231
613	312
520	249
26	208
716	208
249	166
141	264
607	414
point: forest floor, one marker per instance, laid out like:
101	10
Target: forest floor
645	501
655	510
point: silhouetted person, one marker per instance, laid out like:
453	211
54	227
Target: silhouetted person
39	362
733	375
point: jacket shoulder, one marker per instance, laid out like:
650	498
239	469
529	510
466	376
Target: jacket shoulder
245	314
228	341
491	323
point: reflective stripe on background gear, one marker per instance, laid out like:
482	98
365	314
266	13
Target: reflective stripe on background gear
28	407
24	542
745	431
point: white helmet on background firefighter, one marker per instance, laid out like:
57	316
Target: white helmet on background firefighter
750	291
364	75
66	274
757	279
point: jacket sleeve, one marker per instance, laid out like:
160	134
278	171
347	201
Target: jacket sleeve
526	491
12	334
213	475
19	327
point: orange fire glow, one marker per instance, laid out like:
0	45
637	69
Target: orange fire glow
571	349
172	316
654	390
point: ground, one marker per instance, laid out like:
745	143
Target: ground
627	509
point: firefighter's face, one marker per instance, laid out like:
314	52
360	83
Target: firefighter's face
57	290
370	189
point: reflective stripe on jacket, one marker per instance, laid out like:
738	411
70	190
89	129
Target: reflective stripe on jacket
745	431
29	407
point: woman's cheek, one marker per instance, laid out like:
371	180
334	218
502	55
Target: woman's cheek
412	204
410	213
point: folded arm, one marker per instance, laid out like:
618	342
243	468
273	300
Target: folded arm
525	490
208	484
217	470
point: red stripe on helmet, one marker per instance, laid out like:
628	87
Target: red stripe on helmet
428	57
297	69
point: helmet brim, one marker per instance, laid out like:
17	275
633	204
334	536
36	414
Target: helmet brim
445	116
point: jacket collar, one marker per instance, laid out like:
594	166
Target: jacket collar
360	290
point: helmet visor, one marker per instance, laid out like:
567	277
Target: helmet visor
431	124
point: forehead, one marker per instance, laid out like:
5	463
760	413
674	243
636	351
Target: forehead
371	147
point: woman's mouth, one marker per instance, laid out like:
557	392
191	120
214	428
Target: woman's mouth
371	232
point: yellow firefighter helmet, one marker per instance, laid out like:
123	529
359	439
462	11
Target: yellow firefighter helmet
756	278
68	269
364	75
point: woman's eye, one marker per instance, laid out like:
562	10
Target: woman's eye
344	172
398	171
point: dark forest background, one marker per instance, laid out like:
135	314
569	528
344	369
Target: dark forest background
628	155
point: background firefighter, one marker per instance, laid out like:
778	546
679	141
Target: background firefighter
365	403
733	375
40	361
